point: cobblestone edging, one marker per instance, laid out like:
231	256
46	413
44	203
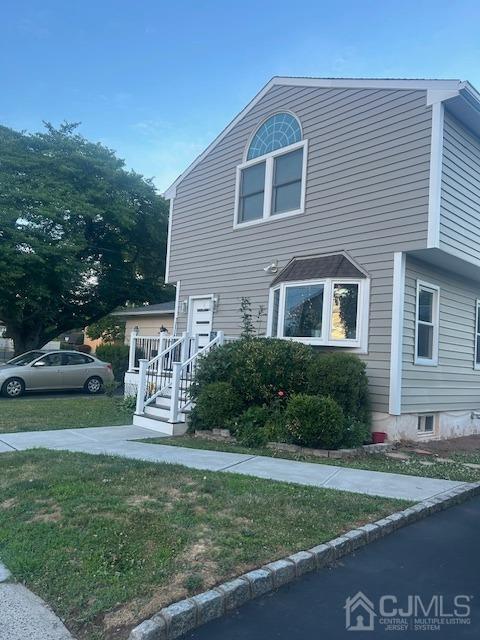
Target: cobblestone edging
181	617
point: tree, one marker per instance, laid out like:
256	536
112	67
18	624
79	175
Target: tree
79	234
108	329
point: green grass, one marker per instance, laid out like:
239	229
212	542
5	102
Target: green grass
108	541
37	413
412	467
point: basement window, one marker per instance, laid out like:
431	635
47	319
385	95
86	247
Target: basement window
425	424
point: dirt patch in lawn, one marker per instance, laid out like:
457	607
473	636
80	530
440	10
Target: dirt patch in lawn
465	444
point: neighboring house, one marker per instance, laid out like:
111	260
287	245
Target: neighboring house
350	209
148	320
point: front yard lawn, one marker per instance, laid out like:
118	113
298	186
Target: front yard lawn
107	541
426	466
39	413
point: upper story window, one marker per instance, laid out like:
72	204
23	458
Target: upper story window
272	180
280	130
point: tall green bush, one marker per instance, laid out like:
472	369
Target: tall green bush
117	355
257	369
314	421
216	405
342	376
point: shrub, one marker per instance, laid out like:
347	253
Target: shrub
356	433
342	376
257	368
314	421
249	428
117	355
216	405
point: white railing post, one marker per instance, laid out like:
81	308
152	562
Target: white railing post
196	339
221	337
177	366
131	353
184	347
162	346
142	385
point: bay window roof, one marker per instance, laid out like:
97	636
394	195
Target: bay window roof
335	265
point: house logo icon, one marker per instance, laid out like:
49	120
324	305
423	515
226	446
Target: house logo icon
359	613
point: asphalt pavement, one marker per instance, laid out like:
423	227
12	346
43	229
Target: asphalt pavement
422	581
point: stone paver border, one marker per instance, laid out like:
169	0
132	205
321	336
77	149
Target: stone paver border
183	616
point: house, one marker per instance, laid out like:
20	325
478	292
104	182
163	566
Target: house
350	209
147	320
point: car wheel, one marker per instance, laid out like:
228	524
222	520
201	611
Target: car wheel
13	388
94	385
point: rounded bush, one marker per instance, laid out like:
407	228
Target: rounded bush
342	376
216	405
257	369
250	428
117	355
315	421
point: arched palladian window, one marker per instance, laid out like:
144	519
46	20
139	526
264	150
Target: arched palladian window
280	130
271	182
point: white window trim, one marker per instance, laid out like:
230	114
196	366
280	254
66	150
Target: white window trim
421	433
360	344
476	365
435	289
269	159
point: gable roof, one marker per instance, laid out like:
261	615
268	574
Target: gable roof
443	88
334	265
163	308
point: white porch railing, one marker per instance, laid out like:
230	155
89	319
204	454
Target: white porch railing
173	369
147	347
183	375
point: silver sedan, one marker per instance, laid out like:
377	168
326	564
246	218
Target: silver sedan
42	371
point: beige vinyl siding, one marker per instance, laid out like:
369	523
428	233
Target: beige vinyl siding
454	384
366	193
460	195
148	325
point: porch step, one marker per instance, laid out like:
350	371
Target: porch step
163	412
159	425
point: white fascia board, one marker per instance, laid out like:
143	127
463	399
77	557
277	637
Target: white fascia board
435	179
326	83
169	239
124	314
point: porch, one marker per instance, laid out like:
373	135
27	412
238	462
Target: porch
160	371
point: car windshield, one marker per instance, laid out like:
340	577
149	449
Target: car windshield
26	358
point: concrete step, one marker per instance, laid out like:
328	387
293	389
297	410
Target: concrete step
160	426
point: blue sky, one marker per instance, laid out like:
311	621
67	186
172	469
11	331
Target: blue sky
158	80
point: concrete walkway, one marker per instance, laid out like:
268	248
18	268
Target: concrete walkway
119	441
24	616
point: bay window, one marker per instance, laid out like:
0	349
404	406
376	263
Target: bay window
321	312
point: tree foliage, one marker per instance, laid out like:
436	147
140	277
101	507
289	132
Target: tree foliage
79	235
108	329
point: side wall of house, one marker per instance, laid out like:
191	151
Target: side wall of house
454	384
366	193
460	195
148	325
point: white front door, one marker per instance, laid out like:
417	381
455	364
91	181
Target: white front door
201	319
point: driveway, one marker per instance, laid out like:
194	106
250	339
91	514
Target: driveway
119	441
436	559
